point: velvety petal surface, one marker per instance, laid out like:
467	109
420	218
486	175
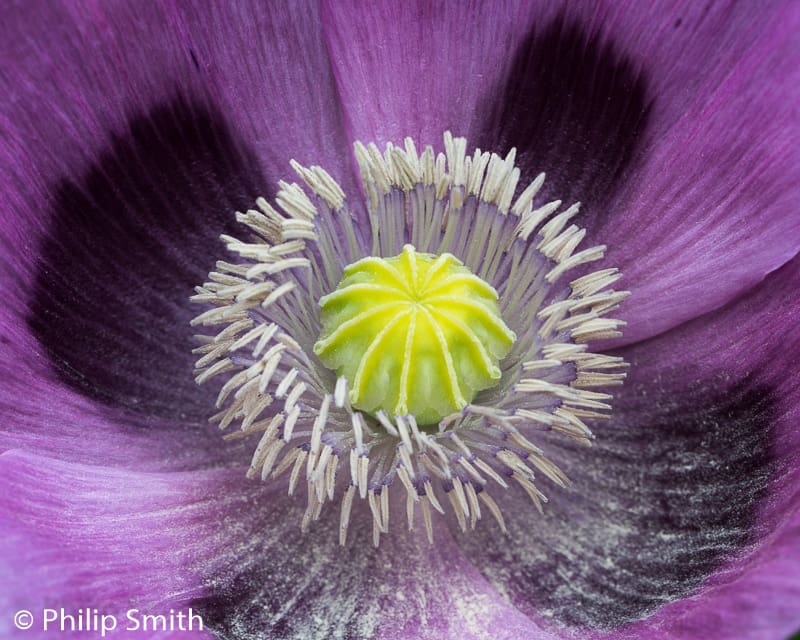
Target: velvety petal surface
753	344
71	81
711	207
125	245
115	193
673	123
268	70
264	66
415	68
232	550
265	575
682	518
78	536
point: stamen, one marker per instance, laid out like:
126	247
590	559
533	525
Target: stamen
455	335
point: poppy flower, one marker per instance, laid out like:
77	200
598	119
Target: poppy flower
131	136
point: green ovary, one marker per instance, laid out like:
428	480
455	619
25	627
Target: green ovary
414	334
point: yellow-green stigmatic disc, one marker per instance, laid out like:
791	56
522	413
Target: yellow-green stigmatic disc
414	334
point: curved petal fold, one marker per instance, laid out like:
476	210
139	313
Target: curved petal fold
78	536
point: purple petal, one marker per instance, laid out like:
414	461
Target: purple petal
103	178
678	142
265	67
67	94
264	574
269	72
231	550
573	105
44	415
119	185
81	536
687	496
110	301
711	209
414	69
757	594
41	415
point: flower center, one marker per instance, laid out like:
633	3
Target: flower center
413	334
427	369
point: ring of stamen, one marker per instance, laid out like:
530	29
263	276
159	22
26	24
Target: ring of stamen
265	308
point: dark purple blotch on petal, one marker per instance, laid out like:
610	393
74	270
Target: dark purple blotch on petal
127	242
574	108
666	495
